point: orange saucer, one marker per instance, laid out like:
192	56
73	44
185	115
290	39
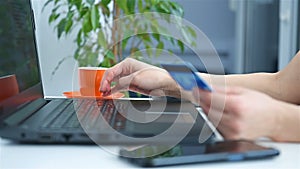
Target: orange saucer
77	94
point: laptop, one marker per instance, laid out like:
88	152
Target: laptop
27	117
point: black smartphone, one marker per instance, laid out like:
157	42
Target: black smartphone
186	154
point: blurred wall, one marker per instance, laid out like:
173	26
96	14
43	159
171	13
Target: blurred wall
51	51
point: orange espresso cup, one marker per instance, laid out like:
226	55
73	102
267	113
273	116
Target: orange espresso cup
90	79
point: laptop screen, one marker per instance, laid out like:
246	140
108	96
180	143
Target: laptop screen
19	72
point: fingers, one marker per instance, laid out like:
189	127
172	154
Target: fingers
215	100
109	75
227	123
223	108
122	83
222	99
220	121
124	68
114	73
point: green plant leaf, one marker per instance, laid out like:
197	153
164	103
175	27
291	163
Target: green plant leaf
156	36
133	50
127	33
154	25
124	43
86	24
95	17
140	6
170	52
154	2
172	40
164	7
69	21
145	37
79	38
162	30
131	6
92	59
77	3
146	42
148	50
194	44
104	63
83	11
192	31
110	54
102	40
91	2
177	9
181	45
61	27
138	54
160	45
68	26
107	62
53	17
123	5
46	4
159	48
104	9
105	2
187	37
55	9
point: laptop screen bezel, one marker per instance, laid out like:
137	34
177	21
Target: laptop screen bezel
12	104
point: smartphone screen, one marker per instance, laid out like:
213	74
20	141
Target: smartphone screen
184	154
185	75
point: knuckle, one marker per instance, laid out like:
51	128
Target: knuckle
233	136
128	59
135	79
235	106
237	128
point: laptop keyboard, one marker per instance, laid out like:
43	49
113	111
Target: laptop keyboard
89	113
54	114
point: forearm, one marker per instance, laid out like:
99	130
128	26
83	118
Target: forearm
287	122
263	82
283	85
174	90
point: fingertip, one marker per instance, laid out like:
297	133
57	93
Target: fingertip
106	93
110	76
103	86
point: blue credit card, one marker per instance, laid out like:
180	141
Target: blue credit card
185	75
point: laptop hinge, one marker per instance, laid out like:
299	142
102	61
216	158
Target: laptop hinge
25	112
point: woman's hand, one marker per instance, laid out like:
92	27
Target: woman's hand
240	113
140	77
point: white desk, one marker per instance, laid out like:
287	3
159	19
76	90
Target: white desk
91	156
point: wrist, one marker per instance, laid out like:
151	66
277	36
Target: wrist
172	88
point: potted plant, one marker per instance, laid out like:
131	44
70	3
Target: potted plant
98	36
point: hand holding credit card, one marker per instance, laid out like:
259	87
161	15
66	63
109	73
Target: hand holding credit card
185	75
